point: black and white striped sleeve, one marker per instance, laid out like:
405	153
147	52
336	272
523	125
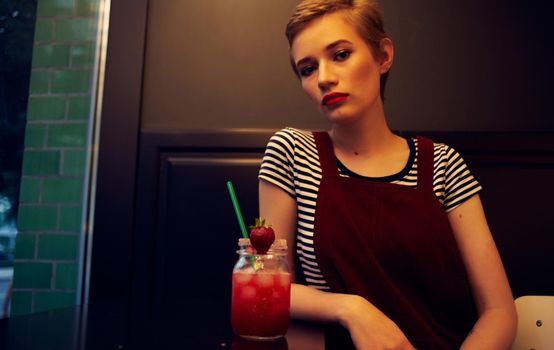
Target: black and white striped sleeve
278	162
460	185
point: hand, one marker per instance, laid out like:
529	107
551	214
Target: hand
369	327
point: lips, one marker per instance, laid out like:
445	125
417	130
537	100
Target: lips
333	98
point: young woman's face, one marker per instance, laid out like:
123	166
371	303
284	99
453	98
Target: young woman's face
337	69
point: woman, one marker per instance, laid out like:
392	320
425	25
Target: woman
390	233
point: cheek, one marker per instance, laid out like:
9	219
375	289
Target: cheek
365	79
364	74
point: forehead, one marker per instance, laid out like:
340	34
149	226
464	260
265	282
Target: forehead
321	32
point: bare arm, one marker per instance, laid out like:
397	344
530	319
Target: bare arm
497	323
279	210
369	327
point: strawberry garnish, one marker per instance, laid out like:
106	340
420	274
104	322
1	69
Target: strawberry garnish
261	236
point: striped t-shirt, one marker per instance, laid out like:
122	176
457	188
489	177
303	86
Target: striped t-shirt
291	162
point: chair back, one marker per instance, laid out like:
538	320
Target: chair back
535	329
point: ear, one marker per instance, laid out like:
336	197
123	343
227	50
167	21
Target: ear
387	54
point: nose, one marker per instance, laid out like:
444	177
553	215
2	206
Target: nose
326	76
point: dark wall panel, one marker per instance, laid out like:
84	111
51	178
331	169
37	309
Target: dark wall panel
197	230
459	65
521	221
471	65
186	231
516	196
221	64
197	227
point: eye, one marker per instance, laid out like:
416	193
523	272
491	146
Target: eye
342	55
306	71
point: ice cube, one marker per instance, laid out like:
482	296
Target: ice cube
264	279
242	277
248	292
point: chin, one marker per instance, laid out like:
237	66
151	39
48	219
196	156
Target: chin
340	117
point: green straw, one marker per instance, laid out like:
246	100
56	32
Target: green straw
239	216
237	209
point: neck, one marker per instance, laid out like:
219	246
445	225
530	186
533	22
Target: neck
367	136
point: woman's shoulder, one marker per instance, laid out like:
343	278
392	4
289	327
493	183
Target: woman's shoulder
442	151
294	133
443	148
294	137
448	155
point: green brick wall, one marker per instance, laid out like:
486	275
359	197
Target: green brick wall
46	269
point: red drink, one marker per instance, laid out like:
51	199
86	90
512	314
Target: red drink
260	303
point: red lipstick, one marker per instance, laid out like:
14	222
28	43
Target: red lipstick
333	98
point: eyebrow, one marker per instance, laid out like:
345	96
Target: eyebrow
327	48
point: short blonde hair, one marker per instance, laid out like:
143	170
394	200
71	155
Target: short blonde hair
365	15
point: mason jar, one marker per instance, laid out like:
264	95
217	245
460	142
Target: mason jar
260	300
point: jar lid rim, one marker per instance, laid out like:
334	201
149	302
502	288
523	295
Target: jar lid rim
279	243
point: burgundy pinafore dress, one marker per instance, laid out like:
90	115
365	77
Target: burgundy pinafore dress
394	246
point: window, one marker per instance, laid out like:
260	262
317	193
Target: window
17	23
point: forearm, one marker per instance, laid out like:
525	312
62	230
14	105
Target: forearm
495	329
497	323
369	328
314	305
